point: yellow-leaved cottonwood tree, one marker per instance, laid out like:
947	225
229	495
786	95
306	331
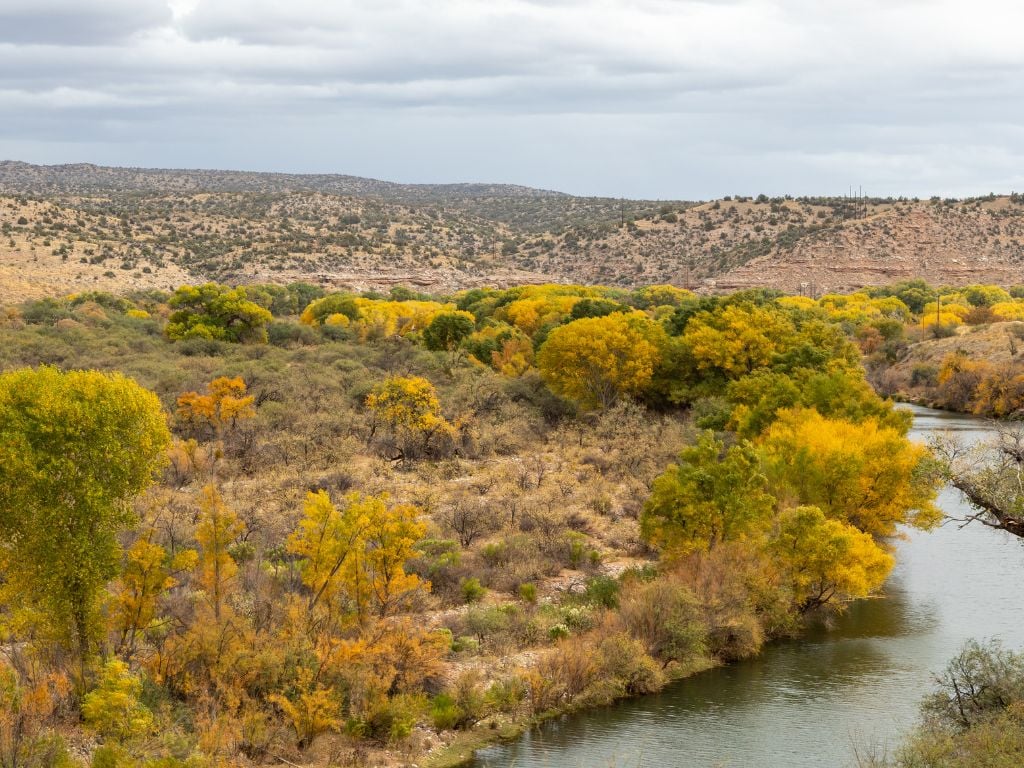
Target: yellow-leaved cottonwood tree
410	410
864	474
356	555
596	360
75	449
823	559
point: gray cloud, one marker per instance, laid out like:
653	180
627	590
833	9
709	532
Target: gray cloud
74	22
654	98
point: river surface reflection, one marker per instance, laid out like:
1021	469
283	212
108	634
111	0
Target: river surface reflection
814	701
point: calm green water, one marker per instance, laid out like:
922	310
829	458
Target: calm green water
814	702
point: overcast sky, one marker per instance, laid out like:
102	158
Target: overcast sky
649	98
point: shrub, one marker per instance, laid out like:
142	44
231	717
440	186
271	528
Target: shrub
603	591
624	659
923	375
528	592
666	617
979	682
45	312
508	694
113	708
472	590
558	632
284	334
572	666
942	330
388	720
444	712
312	712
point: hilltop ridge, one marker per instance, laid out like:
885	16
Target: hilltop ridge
71	227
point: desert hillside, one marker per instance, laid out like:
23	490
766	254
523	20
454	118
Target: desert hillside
68	228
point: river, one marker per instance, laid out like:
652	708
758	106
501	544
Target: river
816	701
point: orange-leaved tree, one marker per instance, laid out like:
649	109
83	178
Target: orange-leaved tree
223	406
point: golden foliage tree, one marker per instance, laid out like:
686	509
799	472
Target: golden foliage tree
113	708
825	560
357	554
862	474
736	340
312	710
596	360
218	528
409	408
75	449
224	405
147	574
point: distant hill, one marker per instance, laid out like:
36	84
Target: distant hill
74	227
85	178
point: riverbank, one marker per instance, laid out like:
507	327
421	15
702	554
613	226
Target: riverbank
975	370
815	700
461	752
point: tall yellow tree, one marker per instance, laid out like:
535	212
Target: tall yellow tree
75	449
218	528
869	476
147	574
376	579
596	360
826	561
355	556
325	538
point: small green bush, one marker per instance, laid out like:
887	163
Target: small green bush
528	592
472	590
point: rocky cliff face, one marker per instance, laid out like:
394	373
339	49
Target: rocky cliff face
945	244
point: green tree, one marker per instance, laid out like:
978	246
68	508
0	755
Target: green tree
447	330
710	496
837	392
596	308
75	449
214	311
